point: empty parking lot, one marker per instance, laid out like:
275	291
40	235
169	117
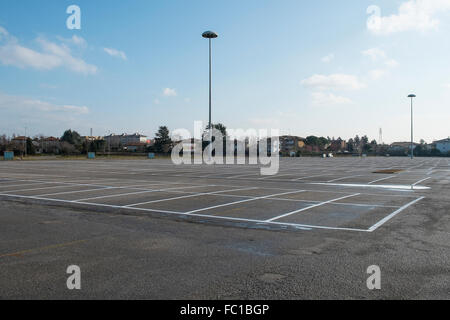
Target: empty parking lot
282	235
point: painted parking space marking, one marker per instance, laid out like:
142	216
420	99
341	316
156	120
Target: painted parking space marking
392	215
144	178
187	196
310	207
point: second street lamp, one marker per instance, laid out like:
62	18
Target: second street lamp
412	96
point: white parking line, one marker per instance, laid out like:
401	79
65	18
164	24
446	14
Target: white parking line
303	178
24	185
136	187
70	192
243	175
192	214
275	176
382	179
188	196
415	184
344	178
393	214
381	186
138	192
242	201
33	189
310	207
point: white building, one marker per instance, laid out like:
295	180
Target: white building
124	139
443	145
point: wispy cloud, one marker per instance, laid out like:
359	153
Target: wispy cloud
51	56
168	92
48	86
328	58
115	53
333	81
328	99
40	114
23	104
419	15
377	73
374	53
75	40
384	63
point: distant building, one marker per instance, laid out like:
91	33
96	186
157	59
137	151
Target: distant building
124	140
19	142
20	139
338	145
290	145
136	147
49	145
443	145
92	138
400	148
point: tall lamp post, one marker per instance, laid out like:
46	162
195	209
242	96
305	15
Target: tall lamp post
210	35
412	96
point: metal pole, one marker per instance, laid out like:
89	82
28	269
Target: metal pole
210	72
25	142
412	133
210	125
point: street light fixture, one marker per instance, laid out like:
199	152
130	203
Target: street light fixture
412	96
210	35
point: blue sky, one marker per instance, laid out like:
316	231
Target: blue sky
305	67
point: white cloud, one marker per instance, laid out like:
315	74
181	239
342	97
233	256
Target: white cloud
156	101
333	81
419	15
78	40
63	54
446	85
328	99
38	115
168	92
378	56
52	56
25	105
377	74
391	63
48	86
75	40
115	53
375	54
3	32
328	58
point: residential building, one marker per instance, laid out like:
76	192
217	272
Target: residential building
92	138
290	145
19	142
401	148
47	145
338	145
443	145
136	147
118	142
